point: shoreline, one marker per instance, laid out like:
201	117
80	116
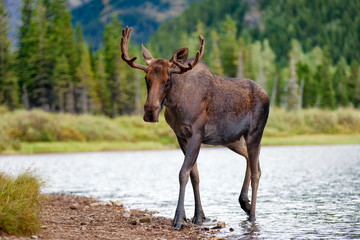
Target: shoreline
27	148
75	217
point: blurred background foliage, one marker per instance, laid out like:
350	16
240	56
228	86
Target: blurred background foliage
66	59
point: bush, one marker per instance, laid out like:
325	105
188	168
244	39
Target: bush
19	203
38	126
312	121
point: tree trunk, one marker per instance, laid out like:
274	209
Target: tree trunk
240	70
301	91
25	98
274	92
70	103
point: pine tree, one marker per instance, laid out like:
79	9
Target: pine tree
292	87
354	84
229	47
216	66
62	79
24	51
248	62
269	68
101	83
61	42
327	95
240	67
340	80
89	99
307	97
8	80
39	86
112	62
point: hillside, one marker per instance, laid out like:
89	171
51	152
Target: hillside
333	24
144	16
13	8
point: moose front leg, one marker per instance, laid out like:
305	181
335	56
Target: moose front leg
191	154
199	215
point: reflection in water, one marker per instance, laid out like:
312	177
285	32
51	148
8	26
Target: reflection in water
307	192
250	230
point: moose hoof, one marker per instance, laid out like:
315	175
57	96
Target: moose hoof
179	220
178	225
245	205
252	218
198	218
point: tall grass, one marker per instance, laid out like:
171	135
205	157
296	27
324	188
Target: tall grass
39	126
19	203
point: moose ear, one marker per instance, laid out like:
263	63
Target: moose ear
146	55
180	55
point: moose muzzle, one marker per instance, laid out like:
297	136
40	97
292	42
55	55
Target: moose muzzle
151	113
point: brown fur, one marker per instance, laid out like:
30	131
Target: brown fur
204	108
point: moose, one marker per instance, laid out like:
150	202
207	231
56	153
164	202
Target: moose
204	108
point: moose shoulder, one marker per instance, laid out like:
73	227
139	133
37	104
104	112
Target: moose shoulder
204	108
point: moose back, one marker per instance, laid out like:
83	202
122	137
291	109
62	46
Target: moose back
204	108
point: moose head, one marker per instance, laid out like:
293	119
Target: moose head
158	72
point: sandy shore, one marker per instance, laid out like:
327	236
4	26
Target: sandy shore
73	217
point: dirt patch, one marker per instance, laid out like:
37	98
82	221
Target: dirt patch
73	217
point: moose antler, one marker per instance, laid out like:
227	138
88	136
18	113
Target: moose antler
191	65
126	33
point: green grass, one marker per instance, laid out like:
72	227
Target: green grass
320	139
38	131
53	147
19	203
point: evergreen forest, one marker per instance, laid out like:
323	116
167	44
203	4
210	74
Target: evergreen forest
305	53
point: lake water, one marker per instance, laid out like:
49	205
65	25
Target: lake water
305	192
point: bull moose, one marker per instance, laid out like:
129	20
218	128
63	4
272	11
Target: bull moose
204	108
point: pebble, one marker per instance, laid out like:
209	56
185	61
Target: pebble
96	204
231	229
74	206
146	219
126	215
220	224
135	222
205	228
34	237
117	203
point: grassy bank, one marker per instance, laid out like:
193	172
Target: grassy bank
37	131
19	203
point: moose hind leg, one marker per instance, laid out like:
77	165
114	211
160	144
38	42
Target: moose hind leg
240	148
243	198
253	151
